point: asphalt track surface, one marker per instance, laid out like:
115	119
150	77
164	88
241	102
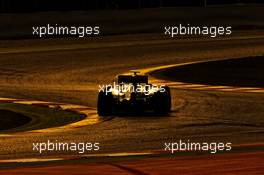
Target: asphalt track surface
72	75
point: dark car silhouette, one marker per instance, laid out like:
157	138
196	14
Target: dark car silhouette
133	93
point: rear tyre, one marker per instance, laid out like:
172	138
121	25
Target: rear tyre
168	97
162	102
104	104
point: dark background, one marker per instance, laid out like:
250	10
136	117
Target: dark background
20	6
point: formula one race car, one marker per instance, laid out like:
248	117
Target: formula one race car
132	93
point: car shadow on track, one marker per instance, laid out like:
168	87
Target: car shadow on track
137	114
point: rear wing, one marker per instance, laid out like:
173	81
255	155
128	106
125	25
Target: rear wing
134	79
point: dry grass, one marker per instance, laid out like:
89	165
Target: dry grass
135	21
26	117
244	72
